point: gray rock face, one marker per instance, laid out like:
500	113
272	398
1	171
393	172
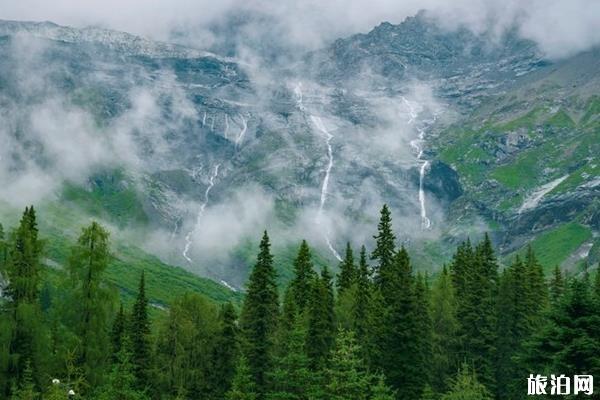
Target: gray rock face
339	133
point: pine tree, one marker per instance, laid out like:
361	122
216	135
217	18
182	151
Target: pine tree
596	288
259	317
91	303
537	290
514	310
346	377
475	277
121	382
139	334
25	333
381	391
404	353
571	339
117	332
445	329
321	325
27	390
362	299
348	273
292	377
303	275
226	351
385	244
557	285
243	386
466	386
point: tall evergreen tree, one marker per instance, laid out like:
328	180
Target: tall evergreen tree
346	377
292	377
25	333
244	386
557	285
348	273
259	317
321	325
303	276
385	244
225	353
140	337
403	358
466	386
381	391
118	332
475	275
445	330
537	289
91	304
121	382
363	298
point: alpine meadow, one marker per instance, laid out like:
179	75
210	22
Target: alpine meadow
299	200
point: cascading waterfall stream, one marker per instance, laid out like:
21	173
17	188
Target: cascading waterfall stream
318	122
189	236
240	137
417	145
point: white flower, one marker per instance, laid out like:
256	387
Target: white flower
55	381
71	392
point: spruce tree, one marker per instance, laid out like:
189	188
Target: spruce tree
292	377
445	330
381	391
321	325
243	386
404	353
466	386
25	333
348	273
117	332
121	382
259	317
139	334
385	244
346	377
537	289
303	275
557	285
363	298
226	352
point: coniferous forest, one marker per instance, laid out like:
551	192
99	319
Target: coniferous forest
378	330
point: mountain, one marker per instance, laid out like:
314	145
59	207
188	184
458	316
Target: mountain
192	154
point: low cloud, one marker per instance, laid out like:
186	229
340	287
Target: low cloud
560	27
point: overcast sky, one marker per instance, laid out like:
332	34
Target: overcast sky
561	27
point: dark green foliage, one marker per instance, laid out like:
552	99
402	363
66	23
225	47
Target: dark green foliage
292	378
259	316
385	244
406	339
466	386
348	272
139	335
570	341
185	344
24	335
474	274
362	301
91	302
445	329
225	353
412	336
121	382
346	377
303	276
321	326
557	285
118	332
243	387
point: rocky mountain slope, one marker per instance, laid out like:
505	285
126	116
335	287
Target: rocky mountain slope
192	154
